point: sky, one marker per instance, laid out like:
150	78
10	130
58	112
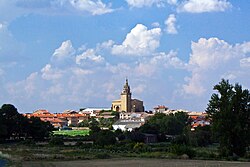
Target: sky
71	54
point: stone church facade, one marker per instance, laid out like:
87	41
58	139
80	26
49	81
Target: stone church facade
125	103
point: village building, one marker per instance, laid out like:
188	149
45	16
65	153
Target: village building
126	103
59	120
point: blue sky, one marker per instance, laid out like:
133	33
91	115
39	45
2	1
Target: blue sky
69	54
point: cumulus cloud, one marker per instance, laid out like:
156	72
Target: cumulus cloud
159	61
140	41
245	62
1	72
156	24
64	51
89	55
146	3
94	7
49	73
9	46
201	6
170	23
52	7
212	59
172	2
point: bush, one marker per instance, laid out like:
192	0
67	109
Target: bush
102	156
56	141
182	149
28	142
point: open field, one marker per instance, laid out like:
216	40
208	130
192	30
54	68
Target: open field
72	132
137	163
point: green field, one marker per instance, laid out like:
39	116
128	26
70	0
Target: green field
72	132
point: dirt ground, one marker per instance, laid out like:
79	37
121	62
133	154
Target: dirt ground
137	163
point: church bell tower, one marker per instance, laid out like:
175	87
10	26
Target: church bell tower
126	98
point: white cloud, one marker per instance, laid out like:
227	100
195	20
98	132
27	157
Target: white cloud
89	55
1	72
139	89
213	59
245	62
156	24
172	2
140	41
147	3
51	7
81	72
25	89
170	23
65	51
194	85
48	73
209	53
157	63
94	7
9	46
201	6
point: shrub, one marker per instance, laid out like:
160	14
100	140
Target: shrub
182	149
56	141
102	156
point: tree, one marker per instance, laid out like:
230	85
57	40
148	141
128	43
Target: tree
84	123
3	128
104	137
94	125
38	129
229	110
172	124
10	120
14	125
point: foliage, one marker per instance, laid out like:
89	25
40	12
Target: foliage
84	123
39	129
141	147
103	137
102	156
230	114
15	126
134	136
201	137
56	141
94	125
182	149
172	124
71	132
106	122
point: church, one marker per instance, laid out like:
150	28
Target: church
125	103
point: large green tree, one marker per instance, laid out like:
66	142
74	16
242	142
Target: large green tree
172	124
10	120
15	126
229	110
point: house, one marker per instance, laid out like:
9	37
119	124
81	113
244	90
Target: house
58	120
140	116
127	125
150	138
160	109
93	112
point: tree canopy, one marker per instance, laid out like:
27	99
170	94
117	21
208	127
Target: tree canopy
229	110
14	125
160	123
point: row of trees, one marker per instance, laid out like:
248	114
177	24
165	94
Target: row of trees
15	126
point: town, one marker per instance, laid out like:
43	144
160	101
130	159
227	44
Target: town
126	114
126	130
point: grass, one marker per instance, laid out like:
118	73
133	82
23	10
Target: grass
72	132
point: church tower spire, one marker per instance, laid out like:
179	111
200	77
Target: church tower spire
126	98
